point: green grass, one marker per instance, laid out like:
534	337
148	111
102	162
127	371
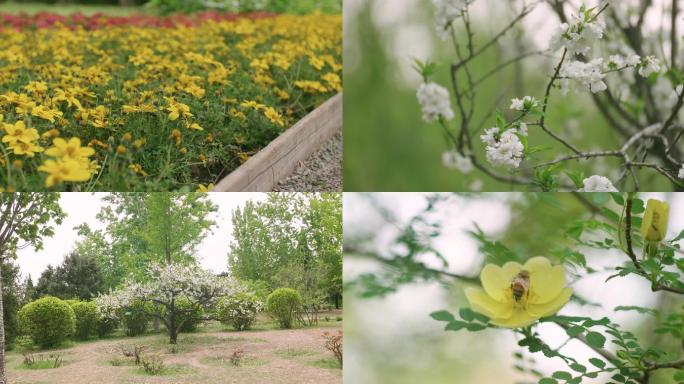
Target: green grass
292	353
224	361
327	363
33	8
168	370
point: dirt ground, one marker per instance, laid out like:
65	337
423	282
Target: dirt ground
275	356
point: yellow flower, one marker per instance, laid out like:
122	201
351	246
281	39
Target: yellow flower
69	149
38	87
18	132
516	296
205	189
137	168
65	170
27	149
274	116
127	136
177	110
46	113
654	224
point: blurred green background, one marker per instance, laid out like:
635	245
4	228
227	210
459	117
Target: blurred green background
389	147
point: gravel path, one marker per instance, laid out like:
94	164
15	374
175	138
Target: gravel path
321	172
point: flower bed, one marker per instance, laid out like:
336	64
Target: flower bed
149	103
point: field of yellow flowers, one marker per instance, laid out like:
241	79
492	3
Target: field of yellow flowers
156	106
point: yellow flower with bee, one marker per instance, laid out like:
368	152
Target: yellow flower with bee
516	296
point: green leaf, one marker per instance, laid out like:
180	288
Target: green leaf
574	331
617	198
577	178
562	375
679	375
442	316
466	314
596	339
600	198
679	237
638	206
474	327
578	367
455	325
548	380
642	310
598	363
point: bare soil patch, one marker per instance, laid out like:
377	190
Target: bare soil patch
199	358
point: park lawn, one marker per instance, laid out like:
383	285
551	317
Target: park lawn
33	8
270	355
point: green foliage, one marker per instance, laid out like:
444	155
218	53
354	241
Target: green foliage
106	326
49	321
283	305
190	315
291	240
239	310
142	228
11	302
86	318
78	277
134	319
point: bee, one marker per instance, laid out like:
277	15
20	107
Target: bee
520	285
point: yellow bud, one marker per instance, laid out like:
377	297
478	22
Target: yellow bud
121	150
138	143
17	164
654	224
127	136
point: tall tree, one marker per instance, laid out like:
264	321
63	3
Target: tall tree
291	240
78	277
25	219
29	291
142	228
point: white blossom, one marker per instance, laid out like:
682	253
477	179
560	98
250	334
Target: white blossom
434	101
633	60
648	66
522	129
584	76
598	183
446	11
503	149
681	173
577	36
454	161
525	104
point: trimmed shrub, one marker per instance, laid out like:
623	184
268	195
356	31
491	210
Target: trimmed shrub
49	321
283	305
86	318
240	310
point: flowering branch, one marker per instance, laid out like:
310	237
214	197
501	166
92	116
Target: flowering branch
651	137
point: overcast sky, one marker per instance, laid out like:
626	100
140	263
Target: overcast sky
82	208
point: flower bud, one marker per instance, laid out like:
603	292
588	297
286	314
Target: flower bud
654	224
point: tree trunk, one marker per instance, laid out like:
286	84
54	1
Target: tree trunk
3	378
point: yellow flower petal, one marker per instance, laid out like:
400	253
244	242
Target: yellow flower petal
482	303
495	281
518	319
546	281
553	306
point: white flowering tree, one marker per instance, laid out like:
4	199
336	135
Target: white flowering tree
168	287
632	75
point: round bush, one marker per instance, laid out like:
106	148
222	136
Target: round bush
283	305
49	321
86	318
239	310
